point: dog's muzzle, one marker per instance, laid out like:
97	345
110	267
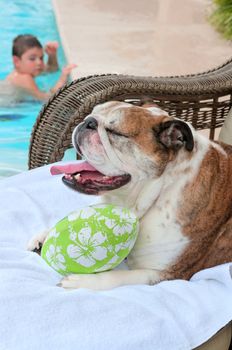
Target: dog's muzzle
87	179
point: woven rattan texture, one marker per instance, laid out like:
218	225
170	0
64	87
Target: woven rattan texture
202	99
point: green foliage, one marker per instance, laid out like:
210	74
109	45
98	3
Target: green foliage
221	17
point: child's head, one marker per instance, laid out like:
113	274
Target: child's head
24	42
27	54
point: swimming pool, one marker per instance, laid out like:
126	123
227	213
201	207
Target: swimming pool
23	17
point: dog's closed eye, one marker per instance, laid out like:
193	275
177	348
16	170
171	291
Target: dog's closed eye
114	132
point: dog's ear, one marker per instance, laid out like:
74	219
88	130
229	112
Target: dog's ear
175	134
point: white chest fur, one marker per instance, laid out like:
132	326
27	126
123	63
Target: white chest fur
160	240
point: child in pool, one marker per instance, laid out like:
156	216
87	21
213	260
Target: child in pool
28	59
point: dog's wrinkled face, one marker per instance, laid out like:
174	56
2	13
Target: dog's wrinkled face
125	143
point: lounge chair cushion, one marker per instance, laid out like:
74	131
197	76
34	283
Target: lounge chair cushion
36	314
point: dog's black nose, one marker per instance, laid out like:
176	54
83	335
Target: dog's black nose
88	123
91	123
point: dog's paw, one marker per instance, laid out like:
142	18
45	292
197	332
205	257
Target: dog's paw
89	281
35	243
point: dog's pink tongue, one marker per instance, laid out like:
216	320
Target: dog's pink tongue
71	168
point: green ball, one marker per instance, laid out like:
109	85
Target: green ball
92	239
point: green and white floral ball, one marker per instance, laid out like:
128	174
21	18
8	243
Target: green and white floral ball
92	239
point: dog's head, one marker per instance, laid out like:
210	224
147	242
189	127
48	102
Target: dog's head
123	143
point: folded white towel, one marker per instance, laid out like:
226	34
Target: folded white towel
36	314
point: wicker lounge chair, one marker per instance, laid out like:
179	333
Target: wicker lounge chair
203	99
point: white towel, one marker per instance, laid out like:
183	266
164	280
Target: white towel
36	314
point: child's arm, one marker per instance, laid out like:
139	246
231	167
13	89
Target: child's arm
51	50
64	77
26	82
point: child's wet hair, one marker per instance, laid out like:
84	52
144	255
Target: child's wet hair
24	42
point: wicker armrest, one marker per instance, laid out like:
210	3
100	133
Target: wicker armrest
203	99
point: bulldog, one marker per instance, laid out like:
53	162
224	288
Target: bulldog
177	182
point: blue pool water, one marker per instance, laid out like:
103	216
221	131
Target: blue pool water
23	17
